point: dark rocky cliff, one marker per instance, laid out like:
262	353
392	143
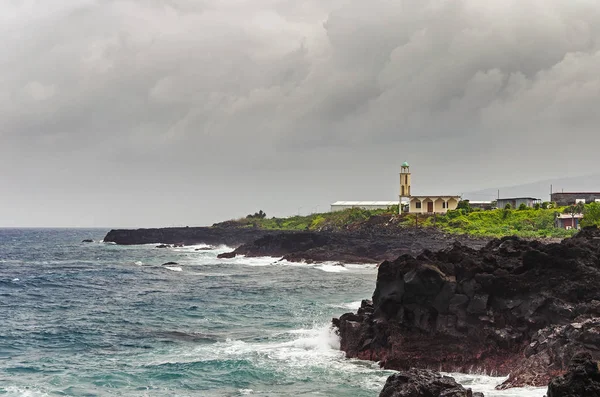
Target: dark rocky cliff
185	235
582	379
361	246
370	244
513	307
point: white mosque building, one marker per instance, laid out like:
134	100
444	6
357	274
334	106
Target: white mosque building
439	204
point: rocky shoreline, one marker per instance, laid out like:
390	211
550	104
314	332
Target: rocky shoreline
184	236
513	307
366	245
508	307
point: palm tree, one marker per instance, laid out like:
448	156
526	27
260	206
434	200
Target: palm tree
574	210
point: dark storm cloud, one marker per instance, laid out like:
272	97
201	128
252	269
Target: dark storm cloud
240	90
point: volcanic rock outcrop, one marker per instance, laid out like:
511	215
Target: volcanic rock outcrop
370	244
372	241
179	236
582	380
513	307
424	383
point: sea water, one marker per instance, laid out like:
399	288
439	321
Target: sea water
96	319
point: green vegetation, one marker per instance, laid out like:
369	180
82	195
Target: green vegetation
538	222
528	223
591	215
328	220
257	215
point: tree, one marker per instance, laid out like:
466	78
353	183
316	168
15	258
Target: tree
257	215
464	205
508	206
537	206
522	207
574	210
591	215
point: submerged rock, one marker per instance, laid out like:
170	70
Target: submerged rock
513	307
424	383
582	379
170	264
87	240
163	246
226	255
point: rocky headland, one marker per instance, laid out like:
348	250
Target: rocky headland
185	236
350	246
514	307
369	242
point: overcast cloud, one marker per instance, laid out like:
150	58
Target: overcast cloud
182	112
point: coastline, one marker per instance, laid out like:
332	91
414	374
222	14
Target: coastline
357	246
462	345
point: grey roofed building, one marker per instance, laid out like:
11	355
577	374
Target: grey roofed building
569	198
480	204
515	202
367	205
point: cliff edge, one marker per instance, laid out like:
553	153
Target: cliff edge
512	307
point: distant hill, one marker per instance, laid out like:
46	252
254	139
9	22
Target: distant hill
541	189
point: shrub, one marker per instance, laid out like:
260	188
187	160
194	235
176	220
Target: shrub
522	207
257	215
464	205
591	215
508	206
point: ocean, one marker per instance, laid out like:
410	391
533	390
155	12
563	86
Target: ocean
95	319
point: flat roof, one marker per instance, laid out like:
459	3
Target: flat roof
365	203
479	202
437	195
576	193
519	198
569	216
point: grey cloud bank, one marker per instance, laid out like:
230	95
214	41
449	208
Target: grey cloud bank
131	113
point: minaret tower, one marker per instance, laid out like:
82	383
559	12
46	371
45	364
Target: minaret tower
404	182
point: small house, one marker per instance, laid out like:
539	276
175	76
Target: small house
484	205
516	202
568	221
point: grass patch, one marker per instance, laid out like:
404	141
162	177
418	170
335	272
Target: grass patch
526	223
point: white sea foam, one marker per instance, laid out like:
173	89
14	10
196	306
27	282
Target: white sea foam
15	391
318	348
311	349
201	248
352	305
174	268
252	261
487	385
329	268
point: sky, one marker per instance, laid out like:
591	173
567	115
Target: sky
187	112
